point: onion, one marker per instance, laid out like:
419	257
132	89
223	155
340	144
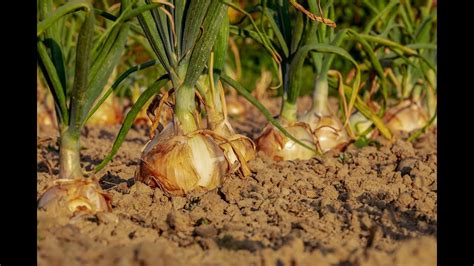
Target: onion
180	163
406	117
109	113
328	131
77	195
278	147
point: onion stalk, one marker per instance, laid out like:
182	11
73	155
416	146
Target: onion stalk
326	130
95	60
189	154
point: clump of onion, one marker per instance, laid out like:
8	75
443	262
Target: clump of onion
76	196
179	163
406	116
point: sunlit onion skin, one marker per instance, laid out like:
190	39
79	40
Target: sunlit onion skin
244	144
280	148
108	114
238	149
406	116
77	195
180	163
328	131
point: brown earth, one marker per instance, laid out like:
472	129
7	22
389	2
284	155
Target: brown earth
371	206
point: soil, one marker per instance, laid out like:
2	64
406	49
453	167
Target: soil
375	205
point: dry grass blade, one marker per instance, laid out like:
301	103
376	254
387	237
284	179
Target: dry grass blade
155	117
344	100
312	16
235	51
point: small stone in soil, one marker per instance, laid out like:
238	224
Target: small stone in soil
205	230
405	165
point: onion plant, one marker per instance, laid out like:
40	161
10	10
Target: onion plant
97	53
326	126
293	43
190	152
401	48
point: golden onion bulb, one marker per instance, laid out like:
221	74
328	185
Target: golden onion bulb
109	113
179	164
277	146
77	195
328	131
406	117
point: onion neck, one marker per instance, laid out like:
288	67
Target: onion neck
431	93
69	156
431	101
416	93
214	119
288	111
184	109
214	105
407	87
320	95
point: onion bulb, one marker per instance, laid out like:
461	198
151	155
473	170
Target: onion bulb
179	163
77	195
277	146
406	117
327	130
109	113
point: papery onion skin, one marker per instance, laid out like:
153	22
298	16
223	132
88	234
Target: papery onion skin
78	195
280	148
406	116
109	113
328	131
244	144
179	164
